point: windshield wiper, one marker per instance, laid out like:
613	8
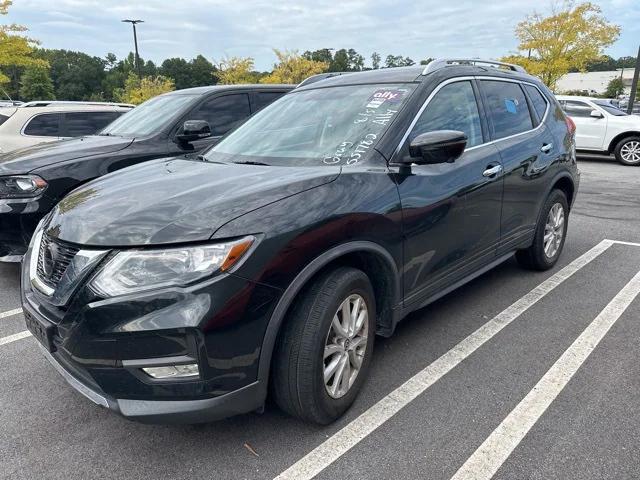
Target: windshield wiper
252	163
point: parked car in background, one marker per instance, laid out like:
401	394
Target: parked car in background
603	128
39	122
10	103
33	180
185	289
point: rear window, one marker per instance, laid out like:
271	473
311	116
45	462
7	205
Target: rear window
508	108
539	102
78	124
3	118
44	125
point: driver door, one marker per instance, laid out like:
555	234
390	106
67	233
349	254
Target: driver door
451	211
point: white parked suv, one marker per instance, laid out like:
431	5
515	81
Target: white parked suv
603	128
37	122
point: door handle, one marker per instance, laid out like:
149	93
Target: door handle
492	171
546	148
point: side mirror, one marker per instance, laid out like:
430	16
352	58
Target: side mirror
596	114
194	130
440	146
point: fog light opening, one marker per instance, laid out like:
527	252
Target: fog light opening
173	371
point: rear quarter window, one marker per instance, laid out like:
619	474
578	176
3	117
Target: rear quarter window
78	124
44	125
538	100
3	118
507	108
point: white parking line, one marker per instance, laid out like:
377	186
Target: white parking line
622	242
341	442
14	337
10	313
493	452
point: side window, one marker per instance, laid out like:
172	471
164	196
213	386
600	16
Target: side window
507	107
454	107
78	124
574	108
44	125
223	113
262	99
539	102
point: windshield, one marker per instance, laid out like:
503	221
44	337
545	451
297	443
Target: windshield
609	108
331	126
148	118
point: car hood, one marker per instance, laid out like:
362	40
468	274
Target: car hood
174	200
26	160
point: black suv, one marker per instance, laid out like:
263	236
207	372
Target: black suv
33	180
186	290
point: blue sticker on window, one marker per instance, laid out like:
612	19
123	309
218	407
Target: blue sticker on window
511	105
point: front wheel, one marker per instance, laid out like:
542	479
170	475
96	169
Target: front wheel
323	355
627	151
550	234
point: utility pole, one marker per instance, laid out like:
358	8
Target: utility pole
634	84
135	42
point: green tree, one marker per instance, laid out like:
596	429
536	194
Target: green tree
568	38
398	61
75	75
138	90
36	84
614	88
375	60
293	68
16	50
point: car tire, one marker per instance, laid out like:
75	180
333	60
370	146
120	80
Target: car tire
627	151
550	234
298	384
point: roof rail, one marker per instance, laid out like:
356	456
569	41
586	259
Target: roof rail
446	62
46	103
320	76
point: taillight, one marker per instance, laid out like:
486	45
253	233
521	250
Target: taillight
571	126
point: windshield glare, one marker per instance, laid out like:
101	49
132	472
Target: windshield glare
330	126
149	117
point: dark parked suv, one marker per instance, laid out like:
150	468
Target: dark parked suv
186	290
33	180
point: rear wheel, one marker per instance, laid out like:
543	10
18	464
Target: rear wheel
323	355
550	234
627	151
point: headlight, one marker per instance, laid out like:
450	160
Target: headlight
136	270
22	186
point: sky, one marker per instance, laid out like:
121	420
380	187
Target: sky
222	28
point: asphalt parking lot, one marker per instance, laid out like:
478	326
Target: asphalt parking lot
517	375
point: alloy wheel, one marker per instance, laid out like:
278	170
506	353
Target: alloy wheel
346	345
630	151
554	230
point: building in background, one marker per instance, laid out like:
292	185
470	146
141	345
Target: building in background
594	82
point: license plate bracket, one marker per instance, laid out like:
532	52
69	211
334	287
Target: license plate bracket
43	330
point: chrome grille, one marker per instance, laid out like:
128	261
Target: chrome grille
53	259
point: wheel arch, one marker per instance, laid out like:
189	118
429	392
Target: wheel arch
615	140
368	256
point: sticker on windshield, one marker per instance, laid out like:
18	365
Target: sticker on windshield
381	96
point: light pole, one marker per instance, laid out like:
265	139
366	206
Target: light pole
634	84
135	42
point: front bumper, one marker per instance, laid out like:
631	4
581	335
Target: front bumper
240	401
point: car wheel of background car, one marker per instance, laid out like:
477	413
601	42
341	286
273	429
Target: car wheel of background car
323	355
550	234
627	151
